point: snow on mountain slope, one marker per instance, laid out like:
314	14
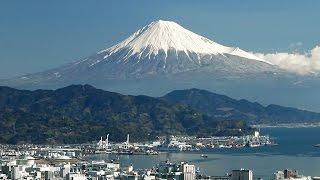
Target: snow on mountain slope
162	48
163	56
167	35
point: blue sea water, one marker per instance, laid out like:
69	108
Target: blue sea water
295	150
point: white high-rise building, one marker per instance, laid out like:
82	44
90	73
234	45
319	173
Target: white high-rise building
189	171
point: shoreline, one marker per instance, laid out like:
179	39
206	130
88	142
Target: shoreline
287	125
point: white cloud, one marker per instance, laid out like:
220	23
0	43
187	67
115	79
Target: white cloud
295	62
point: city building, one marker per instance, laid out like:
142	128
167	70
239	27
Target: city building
289	174
242	174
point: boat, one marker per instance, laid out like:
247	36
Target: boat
253	144
204	156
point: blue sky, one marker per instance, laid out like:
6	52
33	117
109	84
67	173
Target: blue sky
36	35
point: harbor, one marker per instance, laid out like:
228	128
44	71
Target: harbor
212	162
162	144
182	143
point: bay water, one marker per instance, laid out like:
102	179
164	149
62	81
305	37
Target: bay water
295	150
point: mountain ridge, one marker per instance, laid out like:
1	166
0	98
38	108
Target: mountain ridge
229	108
82	113
158	73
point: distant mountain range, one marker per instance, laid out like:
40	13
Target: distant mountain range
82	113
224	107
77	113
163	56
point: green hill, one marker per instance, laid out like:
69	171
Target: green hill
82	113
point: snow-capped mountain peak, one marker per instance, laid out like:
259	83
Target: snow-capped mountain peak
162	36
162	49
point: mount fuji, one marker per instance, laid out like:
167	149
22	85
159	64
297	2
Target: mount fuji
160	48
165	47
163	56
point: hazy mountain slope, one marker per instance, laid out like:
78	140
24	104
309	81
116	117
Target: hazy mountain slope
162	48
163	56
82	113
228	108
